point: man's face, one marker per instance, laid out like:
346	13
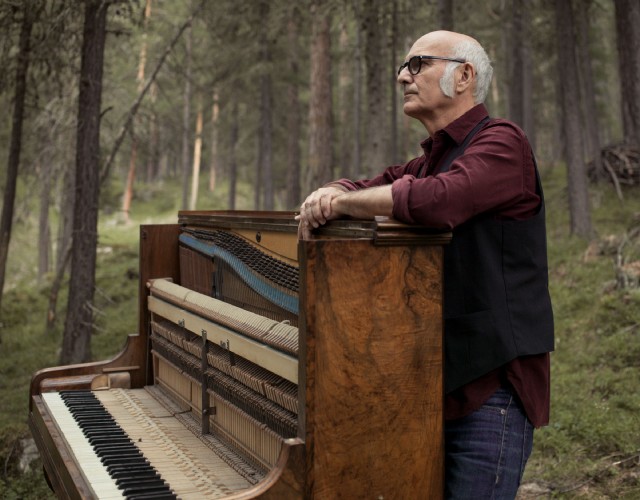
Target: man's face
422	93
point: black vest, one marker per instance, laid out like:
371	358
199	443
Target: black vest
496	298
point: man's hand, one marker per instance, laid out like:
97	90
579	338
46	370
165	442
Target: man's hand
316	210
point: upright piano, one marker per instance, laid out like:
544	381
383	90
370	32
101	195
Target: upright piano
263	366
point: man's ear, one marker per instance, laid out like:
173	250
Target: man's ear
466	75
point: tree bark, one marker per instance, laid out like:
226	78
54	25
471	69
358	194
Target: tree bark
44	228
15	146
197	155
445	14
356	169
76	343
393	92
265	144
579	211
520	76
627	14
263	194
293	111
131	176
234	133
589	108
214	160
320	106
56	285
375	68
186	121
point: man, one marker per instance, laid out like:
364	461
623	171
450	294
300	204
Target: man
478	178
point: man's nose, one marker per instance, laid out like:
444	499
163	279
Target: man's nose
404	76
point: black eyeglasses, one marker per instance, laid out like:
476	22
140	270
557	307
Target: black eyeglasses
415	63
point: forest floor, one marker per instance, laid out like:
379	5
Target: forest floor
591	449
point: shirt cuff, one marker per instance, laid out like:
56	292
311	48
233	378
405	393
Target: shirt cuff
400	190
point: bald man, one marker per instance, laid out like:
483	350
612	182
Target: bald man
478	178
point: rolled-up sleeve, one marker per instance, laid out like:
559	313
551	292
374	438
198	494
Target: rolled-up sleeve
387	177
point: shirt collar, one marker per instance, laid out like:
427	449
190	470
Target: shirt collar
459	128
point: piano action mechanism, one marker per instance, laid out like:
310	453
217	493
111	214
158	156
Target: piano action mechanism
263	367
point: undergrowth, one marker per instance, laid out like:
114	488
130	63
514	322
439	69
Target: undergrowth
591	449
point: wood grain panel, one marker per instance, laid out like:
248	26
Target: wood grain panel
374	371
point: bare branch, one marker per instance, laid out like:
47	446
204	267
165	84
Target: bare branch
134	108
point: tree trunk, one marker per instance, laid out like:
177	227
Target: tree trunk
628	41
15	146
579	211
393	87
65	227
233	159
356	160
265	169
131	176
76	343
590	109
44	228
153	161
197	154
186	121
213	161
344	98
320	108
263	194
375	67
293	112
516	64
56	285
520	88
445	15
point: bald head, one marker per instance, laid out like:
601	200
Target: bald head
444	39
458	46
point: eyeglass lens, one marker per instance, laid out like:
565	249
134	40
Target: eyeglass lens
415	63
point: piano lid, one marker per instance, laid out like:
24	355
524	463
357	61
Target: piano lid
383	231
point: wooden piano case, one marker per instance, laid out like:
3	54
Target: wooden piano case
370	360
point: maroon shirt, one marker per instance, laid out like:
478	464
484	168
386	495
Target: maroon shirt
495	174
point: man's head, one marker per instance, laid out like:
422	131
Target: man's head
454	77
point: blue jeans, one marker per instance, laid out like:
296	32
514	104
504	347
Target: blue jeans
486	451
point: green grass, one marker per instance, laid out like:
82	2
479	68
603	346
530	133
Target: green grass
591	447
587	450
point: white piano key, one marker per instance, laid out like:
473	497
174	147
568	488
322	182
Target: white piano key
96	475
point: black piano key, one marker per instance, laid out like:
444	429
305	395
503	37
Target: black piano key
97	436
125	476
107	441
124	461
143	485
104	458
131	490
154	496
133	470
115	451
116	468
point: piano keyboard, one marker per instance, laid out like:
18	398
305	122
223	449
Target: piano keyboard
112	464
190	469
